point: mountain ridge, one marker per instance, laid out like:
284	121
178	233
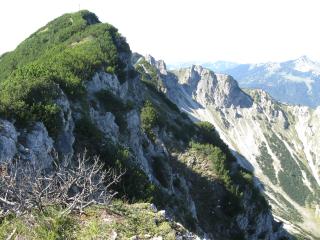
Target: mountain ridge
255	132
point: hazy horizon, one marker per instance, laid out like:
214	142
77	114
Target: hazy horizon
196	62
246	31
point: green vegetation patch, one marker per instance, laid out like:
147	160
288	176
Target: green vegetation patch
289	212
265	161
236	180
121	219
217	160
291	177
149	119
30	76
49	224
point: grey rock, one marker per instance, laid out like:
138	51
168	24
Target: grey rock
160	64
38	146
103	81
8	140
65	139
106	123
136	139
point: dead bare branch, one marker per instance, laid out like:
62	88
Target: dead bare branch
74	185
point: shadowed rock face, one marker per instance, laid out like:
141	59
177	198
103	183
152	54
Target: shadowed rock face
278	141
33	145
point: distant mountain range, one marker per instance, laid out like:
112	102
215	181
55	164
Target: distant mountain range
294	82
218	66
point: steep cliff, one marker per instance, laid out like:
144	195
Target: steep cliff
276	141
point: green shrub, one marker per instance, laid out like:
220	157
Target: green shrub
162	96
134	184
29	101
218	162
148	72
49	114
149	119
110	70
208	134
235	180
181	131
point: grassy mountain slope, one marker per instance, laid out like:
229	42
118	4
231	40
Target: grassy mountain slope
76	73
64	53
119	220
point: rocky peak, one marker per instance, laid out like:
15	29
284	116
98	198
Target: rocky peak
190	76
303	58
262	97
209	88
305	64
230	93
160	65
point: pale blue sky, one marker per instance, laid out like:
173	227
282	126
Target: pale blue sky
185	30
